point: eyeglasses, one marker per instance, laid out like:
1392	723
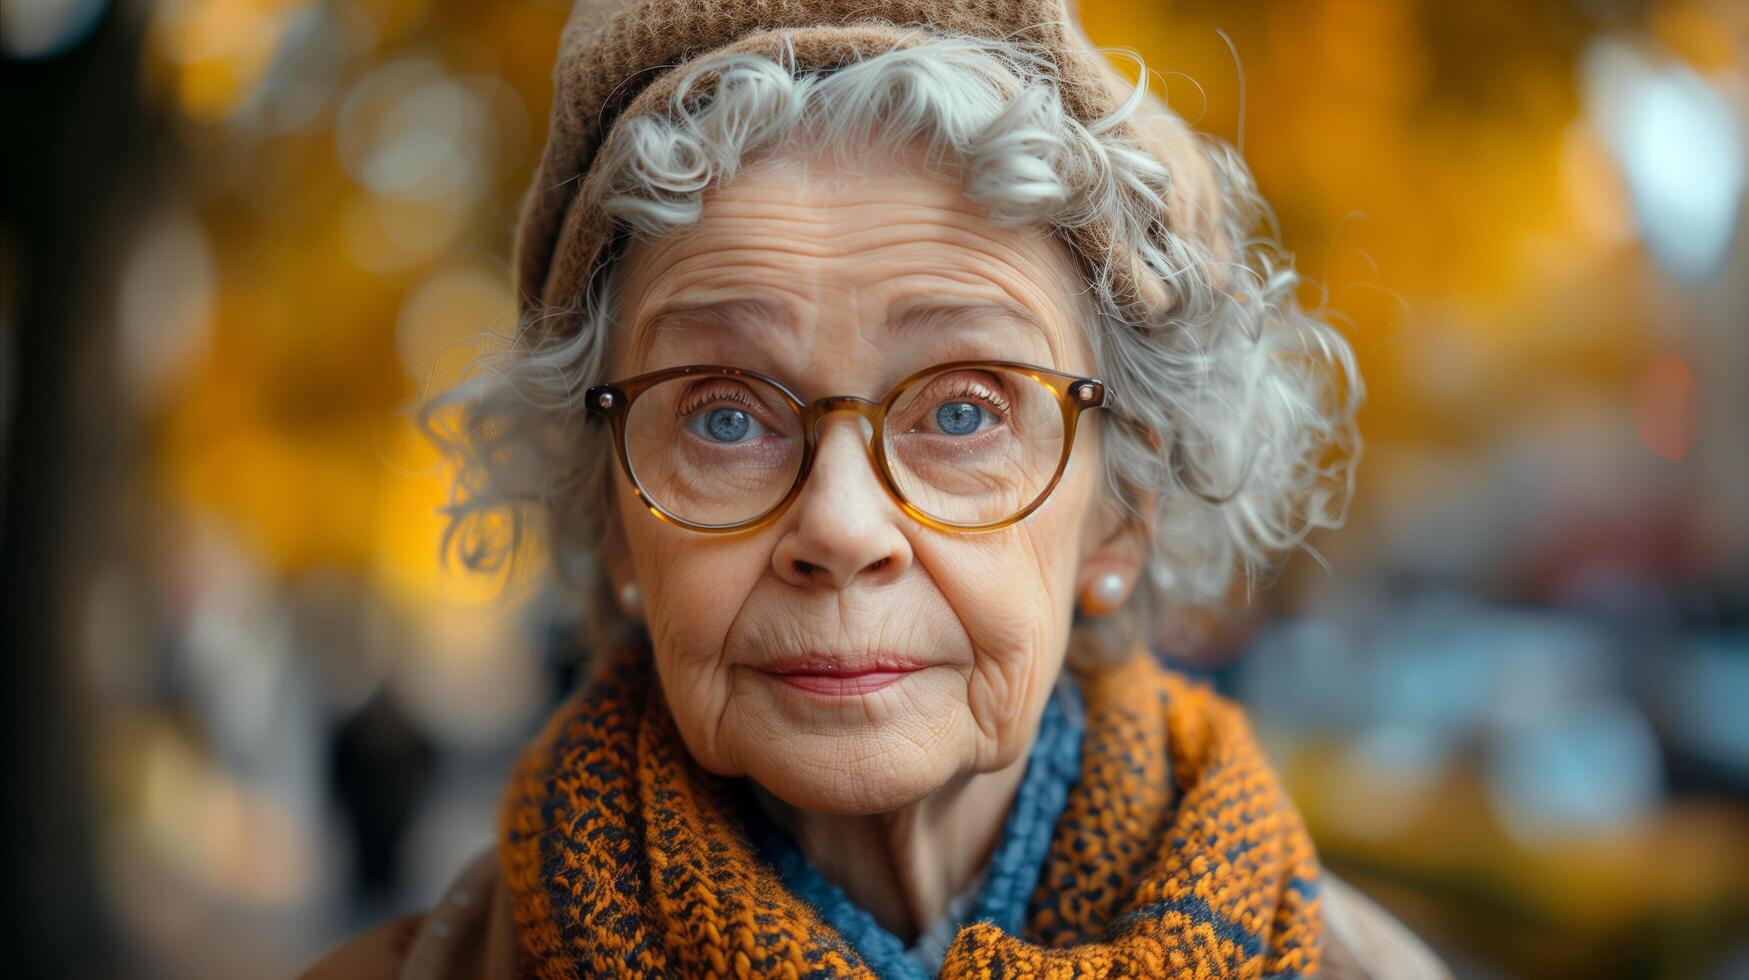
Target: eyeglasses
964	446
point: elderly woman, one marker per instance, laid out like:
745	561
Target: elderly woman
890	371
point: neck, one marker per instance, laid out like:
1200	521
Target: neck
904	866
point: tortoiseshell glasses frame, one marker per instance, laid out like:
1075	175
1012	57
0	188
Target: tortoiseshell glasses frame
1072	394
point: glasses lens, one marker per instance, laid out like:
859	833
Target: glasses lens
713	449
974	446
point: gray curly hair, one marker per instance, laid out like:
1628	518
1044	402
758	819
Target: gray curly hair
1232	430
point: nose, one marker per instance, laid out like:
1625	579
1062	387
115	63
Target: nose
843	528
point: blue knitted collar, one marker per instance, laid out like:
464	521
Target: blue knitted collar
1009	878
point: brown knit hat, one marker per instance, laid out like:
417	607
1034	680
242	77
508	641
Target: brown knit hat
618	59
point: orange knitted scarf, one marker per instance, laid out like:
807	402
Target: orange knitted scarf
1177	854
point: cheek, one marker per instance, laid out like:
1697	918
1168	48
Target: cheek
1013	592
688	581
693	589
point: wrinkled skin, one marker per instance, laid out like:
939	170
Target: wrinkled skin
908	783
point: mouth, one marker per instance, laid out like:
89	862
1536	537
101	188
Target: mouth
840	678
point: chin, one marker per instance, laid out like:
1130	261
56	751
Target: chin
851	755
819	776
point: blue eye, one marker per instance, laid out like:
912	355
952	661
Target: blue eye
959	418
725	425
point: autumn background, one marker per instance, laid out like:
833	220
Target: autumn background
250	711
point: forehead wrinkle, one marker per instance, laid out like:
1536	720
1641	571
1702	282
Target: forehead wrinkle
779	232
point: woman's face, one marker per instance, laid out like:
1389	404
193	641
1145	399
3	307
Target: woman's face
821	280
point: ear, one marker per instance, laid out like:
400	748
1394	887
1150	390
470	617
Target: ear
1113	557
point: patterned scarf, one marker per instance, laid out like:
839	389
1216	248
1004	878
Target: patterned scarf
1176	854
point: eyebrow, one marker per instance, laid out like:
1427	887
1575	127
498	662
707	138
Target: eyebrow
738	315
966	314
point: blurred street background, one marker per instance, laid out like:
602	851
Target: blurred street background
249	710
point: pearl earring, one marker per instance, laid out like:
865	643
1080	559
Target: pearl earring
629	597
1103	595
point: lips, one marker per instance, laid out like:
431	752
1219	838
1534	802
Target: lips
837	677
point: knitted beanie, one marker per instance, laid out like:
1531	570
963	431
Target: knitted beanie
618	60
